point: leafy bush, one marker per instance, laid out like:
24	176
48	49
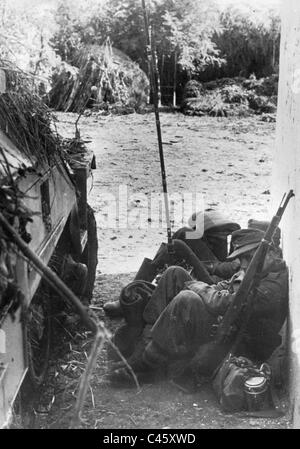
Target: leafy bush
234	94
261	104
192	89
232	97
265	86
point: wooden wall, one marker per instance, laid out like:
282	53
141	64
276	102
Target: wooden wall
286	175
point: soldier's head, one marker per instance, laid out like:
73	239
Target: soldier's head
245	243
215	227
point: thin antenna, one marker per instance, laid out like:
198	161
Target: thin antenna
154	80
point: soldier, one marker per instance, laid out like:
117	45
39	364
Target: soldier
166	326
207	236
210	247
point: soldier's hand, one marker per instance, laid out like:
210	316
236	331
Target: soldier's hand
237	280
236	264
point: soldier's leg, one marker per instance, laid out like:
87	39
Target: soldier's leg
182	327
133	299
169	285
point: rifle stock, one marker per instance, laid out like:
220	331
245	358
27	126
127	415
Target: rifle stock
244	291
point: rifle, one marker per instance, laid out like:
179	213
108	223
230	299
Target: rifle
247	289
211	355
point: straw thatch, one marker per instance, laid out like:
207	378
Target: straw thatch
24	117
26	141
101	76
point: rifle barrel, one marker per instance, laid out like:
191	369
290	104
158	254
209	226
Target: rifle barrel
252	277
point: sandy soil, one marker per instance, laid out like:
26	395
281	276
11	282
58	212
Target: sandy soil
228	161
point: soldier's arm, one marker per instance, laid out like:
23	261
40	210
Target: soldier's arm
216	301
224	270
272	294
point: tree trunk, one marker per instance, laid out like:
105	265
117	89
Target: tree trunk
274	52
158	81
175	79
149	76
38	63
162	71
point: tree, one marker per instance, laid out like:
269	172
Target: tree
188	28
79	23
192	38
126	28
24	39
183	32
249	42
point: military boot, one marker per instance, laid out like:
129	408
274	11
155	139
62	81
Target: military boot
147	272
113	309
133	300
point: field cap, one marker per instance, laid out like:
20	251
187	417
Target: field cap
244	241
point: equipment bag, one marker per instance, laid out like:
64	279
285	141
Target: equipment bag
241	386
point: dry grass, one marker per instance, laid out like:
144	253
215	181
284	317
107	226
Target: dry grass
104	69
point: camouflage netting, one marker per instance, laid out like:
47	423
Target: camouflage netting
28	123
100	76
24	117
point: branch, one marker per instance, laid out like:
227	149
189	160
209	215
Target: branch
85	379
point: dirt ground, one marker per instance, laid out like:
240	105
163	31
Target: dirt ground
228	162
225	161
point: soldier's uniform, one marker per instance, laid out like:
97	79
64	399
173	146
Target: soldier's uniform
179	316
206	235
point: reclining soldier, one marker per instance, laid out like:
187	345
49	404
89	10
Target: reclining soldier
167	326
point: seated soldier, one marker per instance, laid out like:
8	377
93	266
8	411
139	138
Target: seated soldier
211	248
214	228
166	327
207	236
